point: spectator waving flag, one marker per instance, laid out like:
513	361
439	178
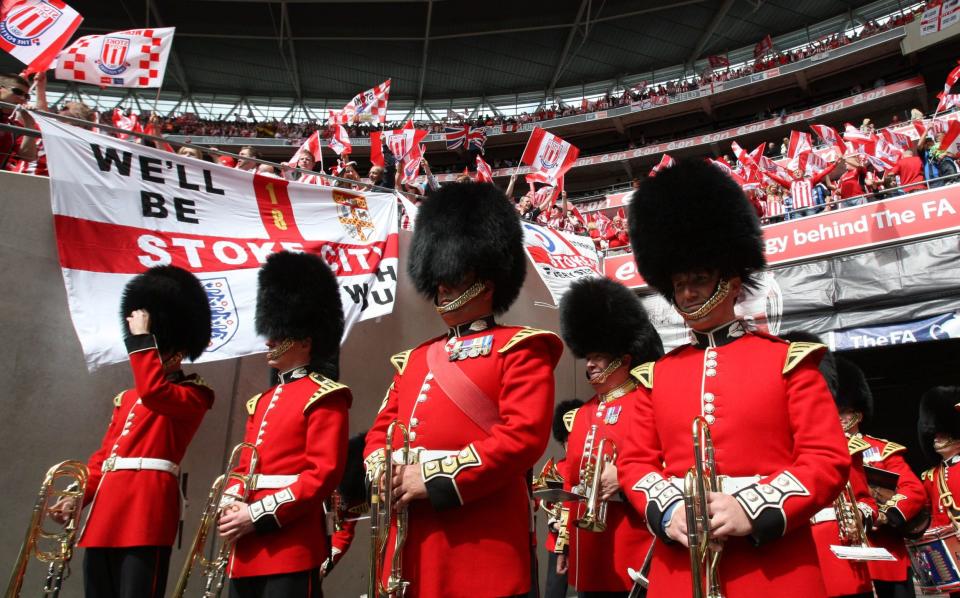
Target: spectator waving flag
549	156
340	141
948	99
34	31
132	58
474	137
369	106
312	147
484	172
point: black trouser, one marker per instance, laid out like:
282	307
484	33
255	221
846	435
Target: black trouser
556	584
896	589
302	584
602	594
132	572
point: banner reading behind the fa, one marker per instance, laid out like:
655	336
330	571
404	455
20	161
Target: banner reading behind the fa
120	208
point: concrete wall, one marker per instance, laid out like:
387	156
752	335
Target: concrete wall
53	409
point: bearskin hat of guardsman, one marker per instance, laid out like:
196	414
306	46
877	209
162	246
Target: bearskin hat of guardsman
298	298
178	306
854	392
468	228
693	217
599	315
560	429
938	414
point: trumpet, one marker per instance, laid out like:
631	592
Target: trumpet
701	479
382	513
595	517
214	569
849	519
52	547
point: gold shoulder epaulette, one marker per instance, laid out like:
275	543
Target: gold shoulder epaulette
856	444
196	381
522	335
399	360
644	374
928	474
326	385
118	399
252	404
797	352
568	419
890	448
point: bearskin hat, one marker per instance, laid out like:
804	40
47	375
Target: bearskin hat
178	306
938	413
599	315
353	485
692	216
560	432
468	227
854	390
298	297
828	365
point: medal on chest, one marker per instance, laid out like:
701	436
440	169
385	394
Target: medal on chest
611	414
480	346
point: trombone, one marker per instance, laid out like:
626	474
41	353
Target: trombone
595	517
35	544
214	569
701	479
382	514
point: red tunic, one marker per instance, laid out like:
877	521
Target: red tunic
910	170
155	419
300	428
841	576
938	514
599	560
909	500
771	415
473	534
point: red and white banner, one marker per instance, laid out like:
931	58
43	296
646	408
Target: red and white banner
549	155
559	257
34	31
132	58
403	141
939	16
127	122
120	208
946	97
369	106
484	172
913	216
312	147
340	141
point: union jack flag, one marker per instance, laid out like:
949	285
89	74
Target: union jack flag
475	137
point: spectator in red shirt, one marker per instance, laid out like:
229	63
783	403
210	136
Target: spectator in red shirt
617	234
910	170
850	184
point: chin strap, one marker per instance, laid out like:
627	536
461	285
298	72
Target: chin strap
280	349
475	290
610	369
853	423
723	289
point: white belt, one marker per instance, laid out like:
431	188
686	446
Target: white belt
273	482
139	463
420	455
728	484
828	514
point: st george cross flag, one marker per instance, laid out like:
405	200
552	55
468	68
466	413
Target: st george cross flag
118	209
475	137
132	58
369	106
340	141
484	172
548	155
34	31
830	136
799	142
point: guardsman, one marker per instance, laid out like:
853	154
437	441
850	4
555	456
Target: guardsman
903	507
477	402
348	505
697	241
556	586
604	323
134	489
299	428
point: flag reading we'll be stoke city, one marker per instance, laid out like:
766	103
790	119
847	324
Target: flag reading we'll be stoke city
120	208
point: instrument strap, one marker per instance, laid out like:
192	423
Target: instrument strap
946	497
461	390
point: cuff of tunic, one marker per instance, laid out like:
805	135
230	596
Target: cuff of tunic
140	342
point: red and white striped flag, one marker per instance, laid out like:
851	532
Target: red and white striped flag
666	161
729	171
549	155
369	106
132	58
953	131
129	122
830	136
860	141
799	142
484	172
34	31
773	207
947	99
898	139
886	153
340	141
312	147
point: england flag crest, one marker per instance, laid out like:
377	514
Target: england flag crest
113	55
223	312
26	23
